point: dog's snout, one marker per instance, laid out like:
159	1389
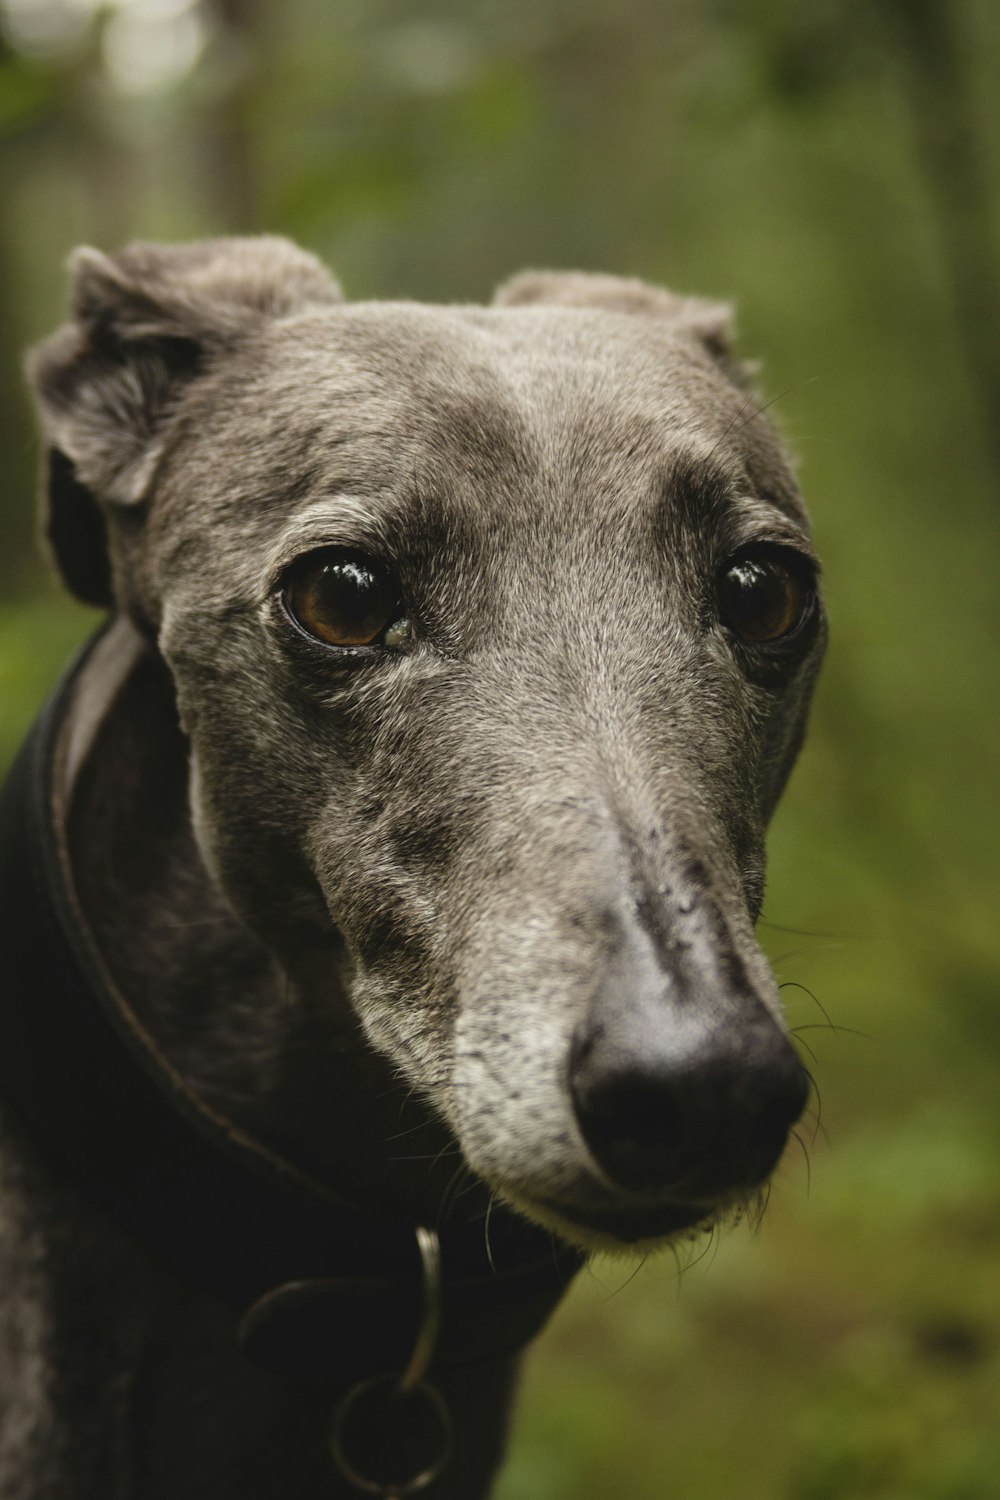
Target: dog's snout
694	1114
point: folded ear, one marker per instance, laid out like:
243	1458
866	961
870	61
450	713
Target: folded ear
145	322
708	323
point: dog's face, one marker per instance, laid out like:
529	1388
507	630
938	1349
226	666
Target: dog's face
493	631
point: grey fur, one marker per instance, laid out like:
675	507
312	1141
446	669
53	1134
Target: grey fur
412	879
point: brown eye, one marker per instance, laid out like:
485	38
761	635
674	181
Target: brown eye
344	598
765	595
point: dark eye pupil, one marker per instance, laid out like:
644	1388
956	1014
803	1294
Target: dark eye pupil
343	599
353	596
762	599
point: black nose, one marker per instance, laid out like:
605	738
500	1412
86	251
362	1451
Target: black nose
691	1111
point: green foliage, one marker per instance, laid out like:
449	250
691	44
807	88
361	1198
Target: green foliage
779	155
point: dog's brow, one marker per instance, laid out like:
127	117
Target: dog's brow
754	518
337	521
719	498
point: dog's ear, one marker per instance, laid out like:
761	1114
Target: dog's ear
708	323
145	322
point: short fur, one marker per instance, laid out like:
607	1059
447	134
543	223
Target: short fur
371	907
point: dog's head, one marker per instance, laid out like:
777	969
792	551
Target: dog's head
493	632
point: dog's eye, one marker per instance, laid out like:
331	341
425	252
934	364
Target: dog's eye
344	599
765	594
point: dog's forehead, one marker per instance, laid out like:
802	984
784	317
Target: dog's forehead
509	411
550	370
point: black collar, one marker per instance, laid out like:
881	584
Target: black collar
231	1218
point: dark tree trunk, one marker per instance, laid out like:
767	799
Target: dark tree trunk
950	146
232	177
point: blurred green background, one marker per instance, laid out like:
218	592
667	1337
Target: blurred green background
833	168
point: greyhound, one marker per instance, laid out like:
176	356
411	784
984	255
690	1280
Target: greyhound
380	883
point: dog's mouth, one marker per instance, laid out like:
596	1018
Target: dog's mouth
617	1227
629	1226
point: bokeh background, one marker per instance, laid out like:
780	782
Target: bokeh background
832	166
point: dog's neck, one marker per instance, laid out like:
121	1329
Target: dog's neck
280	1056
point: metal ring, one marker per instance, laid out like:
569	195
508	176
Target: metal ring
389	1389
387	1392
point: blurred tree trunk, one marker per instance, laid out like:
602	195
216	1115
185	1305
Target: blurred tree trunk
233	182
17	553
951	153
19	561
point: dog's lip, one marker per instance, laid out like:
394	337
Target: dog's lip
630	1225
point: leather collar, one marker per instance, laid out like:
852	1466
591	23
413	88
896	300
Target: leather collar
320	1288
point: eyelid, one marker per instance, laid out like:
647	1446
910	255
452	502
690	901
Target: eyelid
347	523
769	528
797	553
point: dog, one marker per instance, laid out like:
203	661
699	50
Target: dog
382	878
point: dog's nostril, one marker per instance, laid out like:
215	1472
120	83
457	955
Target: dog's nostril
697	1126
769	1128
633	1124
